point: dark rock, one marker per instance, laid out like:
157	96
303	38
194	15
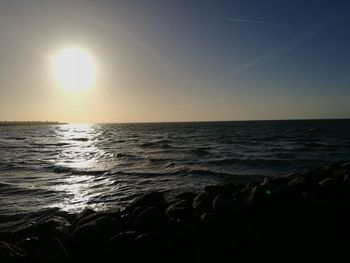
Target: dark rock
83	258
128	217
165	246
53	251
329	184
11	253
154	199
256	196
95	233
188	196
339	172
134	213
149	219
91	216
124	239
277	182
202	202
86	212
225	206
30	245
87	219
222	189
150	247
108	225
121	246
7	236
316	199
208	219
297	182
181	209
266	181
180	240
24	231
346	182
53	227
246	190
86	238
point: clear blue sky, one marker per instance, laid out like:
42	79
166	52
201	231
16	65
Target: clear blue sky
178	60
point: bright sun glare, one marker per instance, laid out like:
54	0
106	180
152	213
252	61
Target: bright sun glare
74	68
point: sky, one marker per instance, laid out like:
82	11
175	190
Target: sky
163	60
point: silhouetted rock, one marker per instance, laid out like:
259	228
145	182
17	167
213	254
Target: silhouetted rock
89	215
10	253
82	220
86	238
202	202
23	231
7	236
222	189
30	245
298	183
208	219
85	213
53	227
346	182
225	206
124	239
122	246
52	251
304	213
154	199
188	196
256	195
109	226
150	247
330	184
149	219
181	209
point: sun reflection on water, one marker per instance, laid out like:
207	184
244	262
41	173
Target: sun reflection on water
76	188
82	152
79	161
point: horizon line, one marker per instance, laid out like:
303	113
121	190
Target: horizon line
159	122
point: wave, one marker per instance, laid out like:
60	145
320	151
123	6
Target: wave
15	138
15	221
62	169
50	144
170	164
155	145
82	139
126	156
201	151
75	171
11	166
182	171
16	189
147	157
252	162
5	185
163	143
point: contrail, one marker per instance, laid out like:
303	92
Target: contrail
275	52
248	21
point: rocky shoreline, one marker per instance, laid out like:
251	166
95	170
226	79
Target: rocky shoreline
305	215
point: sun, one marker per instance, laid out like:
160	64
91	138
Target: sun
74	68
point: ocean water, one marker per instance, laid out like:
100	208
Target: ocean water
69	167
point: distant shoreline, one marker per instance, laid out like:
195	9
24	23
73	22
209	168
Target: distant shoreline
18	123
14	123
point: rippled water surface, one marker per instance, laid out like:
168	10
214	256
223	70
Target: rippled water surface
73	166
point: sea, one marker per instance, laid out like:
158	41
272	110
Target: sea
68	167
